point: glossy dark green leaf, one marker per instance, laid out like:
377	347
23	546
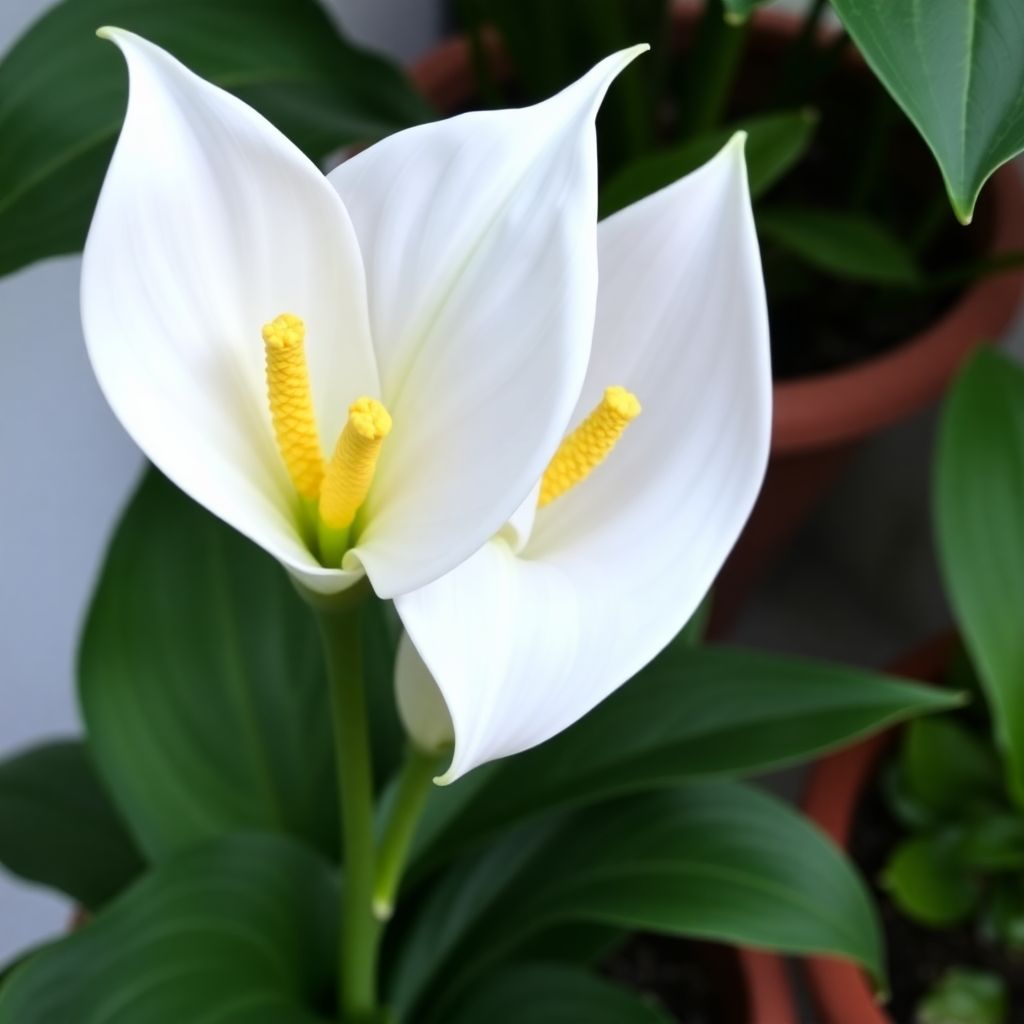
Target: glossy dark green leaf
955	68
714	860
240	932
844	244
775	143
946	766
550	994
202	683
927	880
710	711
62	97
58	826
979	514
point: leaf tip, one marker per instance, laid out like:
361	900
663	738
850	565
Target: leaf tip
964	211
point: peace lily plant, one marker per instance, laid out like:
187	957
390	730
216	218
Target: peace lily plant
540	437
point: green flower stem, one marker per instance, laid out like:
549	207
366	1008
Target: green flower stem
359	935
800	59
713	64
874	162
414	784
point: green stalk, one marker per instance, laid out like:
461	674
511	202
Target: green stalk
359	934
713	66
874	160
471	16
800	57
414	783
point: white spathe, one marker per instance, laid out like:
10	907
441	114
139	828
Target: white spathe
550	617
449	271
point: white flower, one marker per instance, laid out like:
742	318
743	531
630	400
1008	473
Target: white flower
446	276
572	599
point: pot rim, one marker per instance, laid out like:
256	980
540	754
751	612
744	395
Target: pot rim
841	990
827	409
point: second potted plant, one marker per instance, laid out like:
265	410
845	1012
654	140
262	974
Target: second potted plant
936	815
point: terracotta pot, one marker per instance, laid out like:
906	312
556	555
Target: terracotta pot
819	420
841	992
769	993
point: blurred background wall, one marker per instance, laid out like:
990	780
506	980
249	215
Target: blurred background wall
859	584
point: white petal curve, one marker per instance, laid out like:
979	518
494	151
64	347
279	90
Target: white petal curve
498	634
421	707
615	568
479	240
210	223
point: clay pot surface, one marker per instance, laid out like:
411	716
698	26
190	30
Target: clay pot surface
769	992
841	992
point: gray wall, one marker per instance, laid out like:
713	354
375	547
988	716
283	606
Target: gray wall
68	468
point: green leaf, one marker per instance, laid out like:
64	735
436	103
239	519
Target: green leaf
58	827
573	945
946	767
62	98
240	931
979	514
712	860
550	994
928	882
709	711
955	68
844	244
202	683
775	143
965	996
994	842
1002	919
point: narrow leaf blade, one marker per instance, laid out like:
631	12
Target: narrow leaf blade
847	245
241	930
58	827
979	514
202	683
691	713
549	994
